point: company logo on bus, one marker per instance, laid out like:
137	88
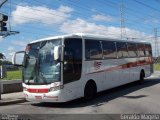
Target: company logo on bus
97	65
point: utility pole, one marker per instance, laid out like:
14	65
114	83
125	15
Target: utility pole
122	20
156	42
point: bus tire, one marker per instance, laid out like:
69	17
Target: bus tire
142	75
90	90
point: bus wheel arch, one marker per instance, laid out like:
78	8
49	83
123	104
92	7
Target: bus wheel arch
90	90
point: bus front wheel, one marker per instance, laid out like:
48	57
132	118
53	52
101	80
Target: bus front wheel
90	90
142	75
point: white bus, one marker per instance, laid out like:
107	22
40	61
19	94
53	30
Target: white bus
63	68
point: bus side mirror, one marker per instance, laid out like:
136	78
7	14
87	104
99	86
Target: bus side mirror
17	58
57	52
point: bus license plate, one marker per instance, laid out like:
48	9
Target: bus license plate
38	97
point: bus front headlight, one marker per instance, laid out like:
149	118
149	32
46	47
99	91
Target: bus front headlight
24	89
56	88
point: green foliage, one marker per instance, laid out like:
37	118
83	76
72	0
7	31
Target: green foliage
157	67
2	56
5	62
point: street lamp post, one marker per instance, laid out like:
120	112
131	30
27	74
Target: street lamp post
1	4
0	80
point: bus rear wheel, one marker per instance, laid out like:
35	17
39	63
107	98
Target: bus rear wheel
90	91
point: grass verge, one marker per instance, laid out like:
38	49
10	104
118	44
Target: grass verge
13	75
157	67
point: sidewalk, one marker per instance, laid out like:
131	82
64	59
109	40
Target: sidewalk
12	98
156	74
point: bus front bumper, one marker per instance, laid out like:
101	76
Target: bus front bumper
44	97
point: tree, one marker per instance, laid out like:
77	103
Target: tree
2	56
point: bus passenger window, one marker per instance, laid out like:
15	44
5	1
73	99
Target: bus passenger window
109	49
148	50
122	51
132	49
93	50
141	50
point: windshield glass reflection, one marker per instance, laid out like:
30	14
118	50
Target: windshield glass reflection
39	64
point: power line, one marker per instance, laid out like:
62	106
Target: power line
40	11
148	6
39	21
69	0
156	42
132	24
75	12
133	11
76	5
122	21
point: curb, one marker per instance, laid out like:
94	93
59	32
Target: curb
9	102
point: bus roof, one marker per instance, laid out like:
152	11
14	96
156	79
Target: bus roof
85	36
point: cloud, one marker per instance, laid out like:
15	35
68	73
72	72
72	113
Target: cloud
152	21
100	17
1	38
10	48
44	15
81	26
9	52
20	43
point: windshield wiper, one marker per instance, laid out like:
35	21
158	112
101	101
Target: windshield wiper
28	82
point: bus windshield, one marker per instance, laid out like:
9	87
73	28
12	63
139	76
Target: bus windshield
39	64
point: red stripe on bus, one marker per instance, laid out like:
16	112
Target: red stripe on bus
146	61
31	90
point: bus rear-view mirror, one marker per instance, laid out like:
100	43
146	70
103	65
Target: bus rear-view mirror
17	58
57	52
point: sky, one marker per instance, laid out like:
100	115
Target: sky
36	19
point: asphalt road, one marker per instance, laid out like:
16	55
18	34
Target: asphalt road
127	99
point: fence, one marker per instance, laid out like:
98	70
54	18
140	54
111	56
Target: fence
156	61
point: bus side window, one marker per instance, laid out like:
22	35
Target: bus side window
141	50
132	49
122	51
93	50
109	50
148	50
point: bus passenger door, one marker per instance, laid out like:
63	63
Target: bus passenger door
72	67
